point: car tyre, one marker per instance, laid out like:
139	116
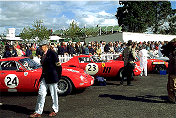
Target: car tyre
65	86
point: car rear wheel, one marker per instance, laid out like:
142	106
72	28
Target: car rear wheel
159	67
64	86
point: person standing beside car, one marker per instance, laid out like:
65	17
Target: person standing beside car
143	61
51	72
169	50
128	58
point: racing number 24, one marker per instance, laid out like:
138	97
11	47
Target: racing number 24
11	81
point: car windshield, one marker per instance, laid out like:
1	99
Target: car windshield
97	59
29	63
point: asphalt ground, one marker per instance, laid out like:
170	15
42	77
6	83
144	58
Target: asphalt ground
146	99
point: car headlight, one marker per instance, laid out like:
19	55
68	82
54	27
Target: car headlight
83	79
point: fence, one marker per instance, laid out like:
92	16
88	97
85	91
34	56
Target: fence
106	57
64	58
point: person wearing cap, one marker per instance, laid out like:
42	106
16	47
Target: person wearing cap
128	58
51	72
169	50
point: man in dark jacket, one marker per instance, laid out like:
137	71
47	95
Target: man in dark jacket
128	58
39	52
169	50
51	72
7	52
106	48
72	49
63	49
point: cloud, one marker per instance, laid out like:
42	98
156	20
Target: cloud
56	14
92	19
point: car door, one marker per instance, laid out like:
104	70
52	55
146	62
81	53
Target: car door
107	69
89	66
34	76
111	68
10	78
31	75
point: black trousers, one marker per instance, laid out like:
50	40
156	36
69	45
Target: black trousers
128	72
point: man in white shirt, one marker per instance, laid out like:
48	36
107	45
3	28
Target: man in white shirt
143	61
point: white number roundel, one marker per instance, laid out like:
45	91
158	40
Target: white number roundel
11	81
91	68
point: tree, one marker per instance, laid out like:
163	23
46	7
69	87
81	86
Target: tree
171	27
162	11
137	16
74	31
26	33
38	30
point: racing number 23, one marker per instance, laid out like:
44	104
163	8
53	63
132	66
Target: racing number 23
92	66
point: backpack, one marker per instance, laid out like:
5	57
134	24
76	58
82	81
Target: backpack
100	81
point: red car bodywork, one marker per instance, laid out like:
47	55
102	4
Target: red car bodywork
151	63
25	80
105	69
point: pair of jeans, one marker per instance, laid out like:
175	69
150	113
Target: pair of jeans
42	95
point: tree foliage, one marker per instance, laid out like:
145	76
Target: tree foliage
137	16
73	31
38	30
171	27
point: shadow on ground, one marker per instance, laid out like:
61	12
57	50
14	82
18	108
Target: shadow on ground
146	98
19	94
18	109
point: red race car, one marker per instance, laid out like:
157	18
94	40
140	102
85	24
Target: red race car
153	65
94	66
22	74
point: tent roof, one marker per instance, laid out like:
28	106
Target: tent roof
55	38
13	39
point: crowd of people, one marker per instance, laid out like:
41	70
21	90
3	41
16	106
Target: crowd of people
62	48
51	67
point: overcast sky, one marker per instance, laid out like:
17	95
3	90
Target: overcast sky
58	14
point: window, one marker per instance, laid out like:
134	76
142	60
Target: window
29	63
84	60
8	65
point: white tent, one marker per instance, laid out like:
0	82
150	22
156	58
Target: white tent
141	37
55	38
13	38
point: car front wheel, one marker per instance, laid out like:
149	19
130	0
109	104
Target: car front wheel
64	86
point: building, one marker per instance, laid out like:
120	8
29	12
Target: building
125	36
11	35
